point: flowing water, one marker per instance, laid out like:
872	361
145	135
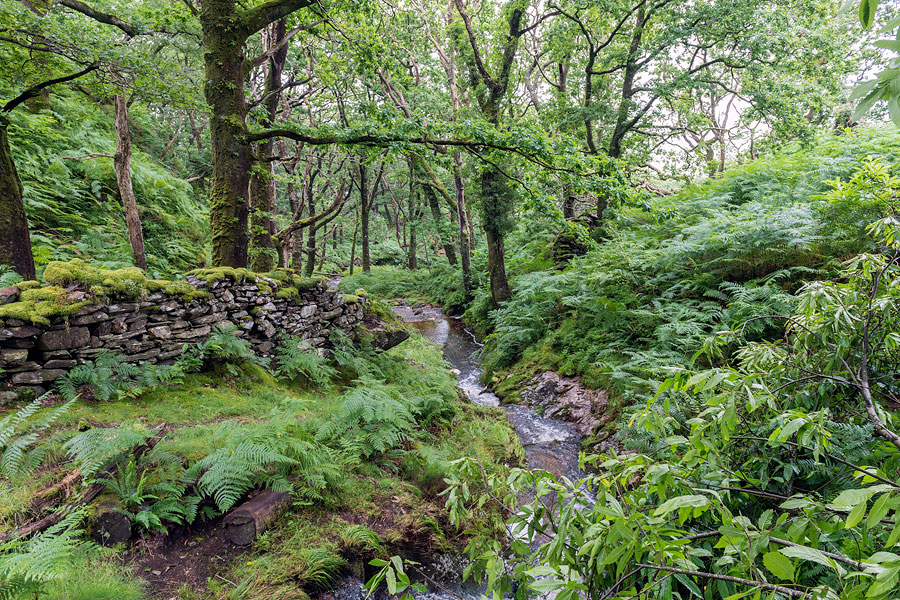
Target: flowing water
550	444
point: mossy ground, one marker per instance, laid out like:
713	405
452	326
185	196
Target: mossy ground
380	509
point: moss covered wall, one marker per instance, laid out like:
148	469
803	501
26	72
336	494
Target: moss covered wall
80	310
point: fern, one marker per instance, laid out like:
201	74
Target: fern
224	347
296	359
111	376
26	567
20	451
96	448
247	460
371	421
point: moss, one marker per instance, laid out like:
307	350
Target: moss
28	285
350	298
40	305
185	290
307	283
288	293
361	293
129	282
279	275
220	273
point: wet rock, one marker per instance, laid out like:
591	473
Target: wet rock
567	399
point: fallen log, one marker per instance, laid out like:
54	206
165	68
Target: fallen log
88	495
250	519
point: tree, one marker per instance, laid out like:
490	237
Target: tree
497	197
226	28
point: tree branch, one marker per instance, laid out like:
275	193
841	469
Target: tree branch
101	17
258	17
35	90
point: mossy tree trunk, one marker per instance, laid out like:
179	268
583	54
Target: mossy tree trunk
226	28
122	164
263	187
496	196
15	241
364	218
461	221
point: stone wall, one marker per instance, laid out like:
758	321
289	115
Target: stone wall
155	326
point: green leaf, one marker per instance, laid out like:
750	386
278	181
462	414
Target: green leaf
779	565
856	515
813	555
692	500
867	10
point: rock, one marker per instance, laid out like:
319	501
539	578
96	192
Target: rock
211	318
308	311
385	339
60	363
567	399
94	316
266	328
160	333
120	308
63	339
14	356
7	396
37	377
9	294
21	331
192	334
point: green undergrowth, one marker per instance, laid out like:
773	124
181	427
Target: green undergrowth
72	198
670	271
363	442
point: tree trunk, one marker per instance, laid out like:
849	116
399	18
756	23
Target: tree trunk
461	220
263	188
311	238
443	234
495	207
353	244
568	202
364	219
15	241
223	44
247	521
412	260
122	163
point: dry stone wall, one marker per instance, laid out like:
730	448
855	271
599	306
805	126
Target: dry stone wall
155	327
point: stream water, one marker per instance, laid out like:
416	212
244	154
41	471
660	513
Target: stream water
550	444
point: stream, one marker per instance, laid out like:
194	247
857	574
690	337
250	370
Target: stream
550	444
